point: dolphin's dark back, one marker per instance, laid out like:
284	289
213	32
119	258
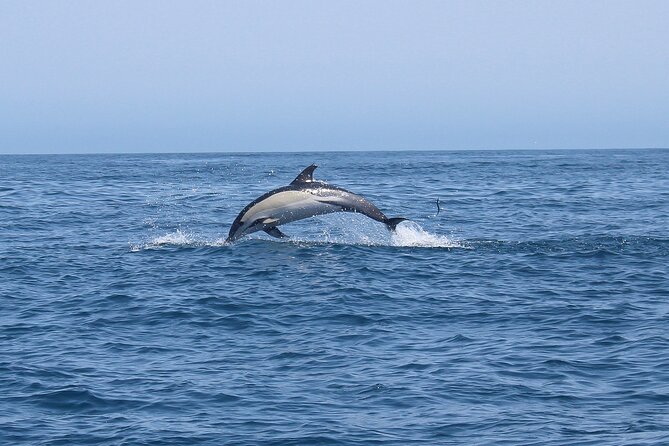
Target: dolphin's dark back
351	202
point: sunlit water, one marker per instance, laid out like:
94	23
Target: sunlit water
533	308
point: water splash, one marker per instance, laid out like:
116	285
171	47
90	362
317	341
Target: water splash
174	238
368	233
177	238
410	234
407	234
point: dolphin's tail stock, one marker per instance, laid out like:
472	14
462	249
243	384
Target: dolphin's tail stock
392	223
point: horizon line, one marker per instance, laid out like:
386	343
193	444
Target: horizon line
321	150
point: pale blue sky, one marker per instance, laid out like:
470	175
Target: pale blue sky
127	76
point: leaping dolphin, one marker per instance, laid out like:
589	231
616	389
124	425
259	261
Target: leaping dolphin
303	198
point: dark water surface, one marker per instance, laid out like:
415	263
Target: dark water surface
532	310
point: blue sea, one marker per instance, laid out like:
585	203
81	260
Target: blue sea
532	309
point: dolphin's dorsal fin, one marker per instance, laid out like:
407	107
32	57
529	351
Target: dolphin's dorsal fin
306	176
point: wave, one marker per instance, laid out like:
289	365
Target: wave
593	245
80	399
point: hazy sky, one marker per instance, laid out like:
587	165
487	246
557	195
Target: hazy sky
86	76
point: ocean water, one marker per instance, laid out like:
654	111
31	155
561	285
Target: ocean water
532	309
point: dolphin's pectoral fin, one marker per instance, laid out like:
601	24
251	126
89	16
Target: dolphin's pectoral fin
262	222
306	176
275	232
254	224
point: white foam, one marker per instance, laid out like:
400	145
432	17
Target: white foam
369	233
177	238
174	238
412	234
407	234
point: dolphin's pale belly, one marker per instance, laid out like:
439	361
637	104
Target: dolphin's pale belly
289	206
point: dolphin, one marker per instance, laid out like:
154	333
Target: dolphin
303	198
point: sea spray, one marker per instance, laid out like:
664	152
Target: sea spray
411	233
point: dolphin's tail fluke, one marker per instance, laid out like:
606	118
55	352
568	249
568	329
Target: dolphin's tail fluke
393	222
